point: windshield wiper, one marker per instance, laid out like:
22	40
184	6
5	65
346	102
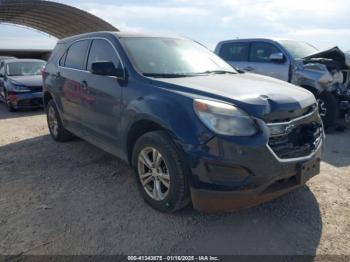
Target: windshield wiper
165	75
174	75
218	72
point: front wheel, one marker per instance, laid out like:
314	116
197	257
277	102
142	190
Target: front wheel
328	108
161	172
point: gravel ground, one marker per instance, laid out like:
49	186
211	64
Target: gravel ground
73	198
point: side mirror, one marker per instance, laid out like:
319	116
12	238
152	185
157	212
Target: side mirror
106	69
277	58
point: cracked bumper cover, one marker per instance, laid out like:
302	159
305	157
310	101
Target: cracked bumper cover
244	173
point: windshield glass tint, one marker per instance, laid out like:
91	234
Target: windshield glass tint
24	68
298	49
172	56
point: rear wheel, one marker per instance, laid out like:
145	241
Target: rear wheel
161	172
54	122
328	108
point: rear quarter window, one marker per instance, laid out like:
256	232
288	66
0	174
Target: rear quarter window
2	69
57	53
62	60
234	51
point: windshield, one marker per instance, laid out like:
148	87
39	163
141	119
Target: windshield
298	49
24	68
170	57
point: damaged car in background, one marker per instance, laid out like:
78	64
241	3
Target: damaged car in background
326	74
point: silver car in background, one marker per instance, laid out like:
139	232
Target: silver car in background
326	74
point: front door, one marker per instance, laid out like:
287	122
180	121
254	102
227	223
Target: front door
260	63
101	96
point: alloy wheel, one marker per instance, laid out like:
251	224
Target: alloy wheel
153	173
53	122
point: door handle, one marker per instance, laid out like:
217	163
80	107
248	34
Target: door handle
248	68
84	85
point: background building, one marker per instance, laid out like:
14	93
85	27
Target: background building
56	19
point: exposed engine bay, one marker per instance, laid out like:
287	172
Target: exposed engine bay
326	71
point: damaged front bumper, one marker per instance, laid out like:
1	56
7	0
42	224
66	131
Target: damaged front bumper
213	201
234	173
274	179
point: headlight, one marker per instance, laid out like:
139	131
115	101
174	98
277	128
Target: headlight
224	119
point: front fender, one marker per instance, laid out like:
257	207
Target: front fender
171	111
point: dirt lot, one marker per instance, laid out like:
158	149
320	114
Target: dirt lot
73	198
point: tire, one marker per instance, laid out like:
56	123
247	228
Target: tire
328	108
9	105
54	123
170	169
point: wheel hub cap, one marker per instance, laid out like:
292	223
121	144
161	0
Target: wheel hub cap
52	119
153	173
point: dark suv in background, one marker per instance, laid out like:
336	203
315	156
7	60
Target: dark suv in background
191	126
21	83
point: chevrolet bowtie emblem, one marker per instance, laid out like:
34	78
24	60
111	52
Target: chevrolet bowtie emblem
289	129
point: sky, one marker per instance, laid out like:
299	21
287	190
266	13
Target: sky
323	23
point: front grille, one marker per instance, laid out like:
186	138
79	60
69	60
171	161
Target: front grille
285	116
32	102
299	140
36	88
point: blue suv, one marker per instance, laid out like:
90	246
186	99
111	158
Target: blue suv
193	128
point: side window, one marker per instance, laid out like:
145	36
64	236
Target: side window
102	51
234	51
260	52
76	55
63	59
2	68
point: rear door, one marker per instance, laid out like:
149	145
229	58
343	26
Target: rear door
260	63
101	95
2	75
235	53
71	75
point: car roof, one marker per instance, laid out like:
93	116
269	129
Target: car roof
144	34
256	40
124	34
248	40
23	60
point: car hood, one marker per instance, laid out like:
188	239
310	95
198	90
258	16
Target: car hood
35	80
335	54
258	95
